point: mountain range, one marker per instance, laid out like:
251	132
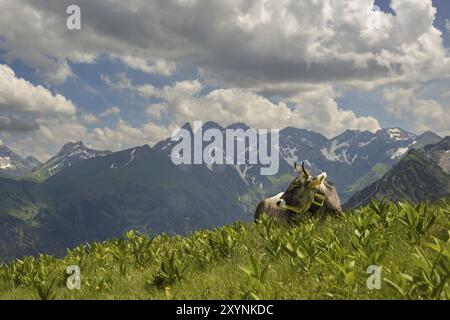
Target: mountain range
83	194
423	174
14	166
70	154
352	160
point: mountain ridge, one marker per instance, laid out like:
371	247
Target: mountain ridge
13	165
70	154
351	159
421	175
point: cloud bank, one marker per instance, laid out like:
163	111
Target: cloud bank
269	63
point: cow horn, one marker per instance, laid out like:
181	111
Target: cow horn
306	173
297	167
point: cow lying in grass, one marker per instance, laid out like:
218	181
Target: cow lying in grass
304	194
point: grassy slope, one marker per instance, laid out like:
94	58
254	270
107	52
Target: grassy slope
377	172
321	258
415	178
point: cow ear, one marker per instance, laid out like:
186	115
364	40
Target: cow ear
317	181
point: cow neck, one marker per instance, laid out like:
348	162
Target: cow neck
314	208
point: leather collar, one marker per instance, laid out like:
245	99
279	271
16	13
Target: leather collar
317	203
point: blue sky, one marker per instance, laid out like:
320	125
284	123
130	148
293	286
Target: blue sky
138	70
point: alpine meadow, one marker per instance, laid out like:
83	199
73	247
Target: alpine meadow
319	258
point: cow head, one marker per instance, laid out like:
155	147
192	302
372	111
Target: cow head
302	191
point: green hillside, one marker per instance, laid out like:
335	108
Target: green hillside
101	198
321	258
377	171
415	178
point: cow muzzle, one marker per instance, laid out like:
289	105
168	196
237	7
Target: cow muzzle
281	204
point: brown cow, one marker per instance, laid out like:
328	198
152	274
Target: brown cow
304	194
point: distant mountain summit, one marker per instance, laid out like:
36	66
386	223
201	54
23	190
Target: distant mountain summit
243	177
14	166
425	139
69	155
421	175
440	153
371	155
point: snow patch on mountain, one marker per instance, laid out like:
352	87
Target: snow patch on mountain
397	134
5	163
366	143
243	172
332	154
132	158
70	154
54	169
13	165
394	134
397	154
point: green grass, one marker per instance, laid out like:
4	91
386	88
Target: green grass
377	172
319	258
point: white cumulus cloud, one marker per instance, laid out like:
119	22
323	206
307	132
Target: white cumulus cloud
315	108
19	95
423	114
